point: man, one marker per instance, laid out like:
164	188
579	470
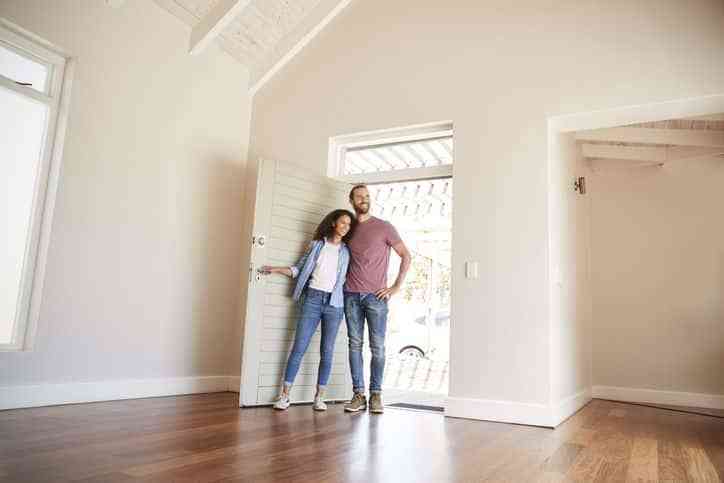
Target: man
366	295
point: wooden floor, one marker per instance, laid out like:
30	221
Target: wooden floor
207	438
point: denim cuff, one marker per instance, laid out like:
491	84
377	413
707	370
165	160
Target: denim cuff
375	392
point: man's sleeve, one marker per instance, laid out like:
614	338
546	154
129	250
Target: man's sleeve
392	237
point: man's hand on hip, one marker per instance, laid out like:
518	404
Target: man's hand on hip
386	293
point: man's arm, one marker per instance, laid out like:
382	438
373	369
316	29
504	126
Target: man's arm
406	259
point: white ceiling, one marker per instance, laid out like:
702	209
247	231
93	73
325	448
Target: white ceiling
263	33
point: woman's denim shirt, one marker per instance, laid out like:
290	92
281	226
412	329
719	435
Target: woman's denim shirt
302	271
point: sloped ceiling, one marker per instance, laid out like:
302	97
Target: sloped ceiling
264	33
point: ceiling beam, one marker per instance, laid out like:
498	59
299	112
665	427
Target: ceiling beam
648	154
631	153
211	26
598	163
679	137
613	155
296	48
681	153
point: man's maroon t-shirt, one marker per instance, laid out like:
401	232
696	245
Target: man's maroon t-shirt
370	250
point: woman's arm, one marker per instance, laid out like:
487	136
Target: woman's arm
266	270
296	268
292	271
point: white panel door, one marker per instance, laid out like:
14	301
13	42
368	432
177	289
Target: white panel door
290	203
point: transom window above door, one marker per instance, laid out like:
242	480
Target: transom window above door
414	152
424	153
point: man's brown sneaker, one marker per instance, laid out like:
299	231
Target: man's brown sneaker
358	403
376	403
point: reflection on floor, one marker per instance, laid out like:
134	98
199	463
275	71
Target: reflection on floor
718	413
208	438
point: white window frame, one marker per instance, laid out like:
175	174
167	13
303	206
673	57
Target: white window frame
338	146
57	97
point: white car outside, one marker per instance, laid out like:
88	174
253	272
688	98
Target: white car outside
417	333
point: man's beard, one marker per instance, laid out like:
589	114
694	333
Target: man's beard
362	209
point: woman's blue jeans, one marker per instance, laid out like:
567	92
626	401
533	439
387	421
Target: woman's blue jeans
315	308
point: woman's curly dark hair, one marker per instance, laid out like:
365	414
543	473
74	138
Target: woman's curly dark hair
326	227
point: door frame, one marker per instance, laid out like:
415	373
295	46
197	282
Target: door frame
434	130
609	118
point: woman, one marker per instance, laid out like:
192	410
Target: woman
320	274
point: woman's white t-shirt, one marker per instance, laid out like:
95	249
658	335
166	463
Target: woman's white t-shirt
324	276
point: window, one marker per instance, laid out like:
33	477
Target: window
423	153
33	77
392	155
23	70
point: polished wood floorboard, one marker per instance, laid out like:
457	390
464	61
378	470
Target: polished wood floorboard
205	438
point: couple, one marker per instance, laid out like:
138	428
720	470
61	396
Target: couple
344	272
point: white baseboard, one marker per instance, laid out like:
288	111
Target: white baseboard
500	411
27	396
653	396
567	407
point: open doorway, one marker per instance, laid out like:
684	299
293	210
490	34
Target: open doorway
409	175
636	278
418	329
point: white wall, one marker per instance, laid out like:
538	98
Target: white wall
658	277
498	70
142	275
570	321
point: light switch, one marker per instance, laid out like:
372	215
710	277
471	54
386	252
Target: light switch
471	270
558	276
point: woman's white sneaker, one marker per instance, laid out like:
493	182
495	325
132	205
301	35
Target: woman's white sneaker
282	402
319	404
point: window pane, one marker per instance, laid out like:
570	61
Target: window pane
23	70
414	154
22	132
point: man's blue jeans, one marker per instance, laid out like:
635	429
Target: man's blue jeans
359	307
315	308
